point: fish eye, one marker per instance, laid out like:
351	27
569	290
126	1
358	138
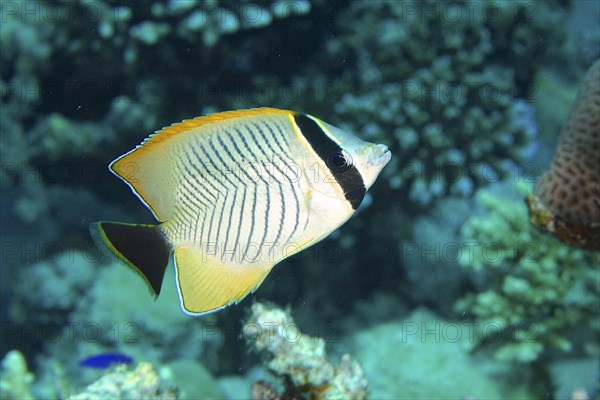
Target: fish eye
340	161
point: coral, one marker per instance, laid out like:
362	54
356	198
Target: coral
49	290
76	80
262	390
15	378
535	291
79	76
82	81
299	359
117	314
445	96
424	357
579	394
73	305
213	19
180	379
570	188
141	383
442	83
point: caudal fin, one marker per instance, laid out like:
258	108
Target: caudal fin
143	247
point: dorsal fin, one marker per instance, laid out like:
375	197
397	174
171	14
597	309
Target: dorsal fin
188	124
148	168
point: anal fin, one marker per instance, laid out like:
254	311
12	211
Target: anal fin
206	284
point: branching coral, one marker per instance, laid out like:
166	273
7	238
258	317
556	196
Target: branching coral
536	291
442	83
441	79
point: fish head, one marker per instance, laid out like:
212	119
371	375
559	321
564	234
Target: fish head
368	158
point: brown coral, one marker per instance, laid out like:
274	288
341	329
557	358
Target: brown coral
570	189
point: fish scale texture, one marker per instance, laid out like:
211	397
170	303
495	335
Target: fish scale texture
571	186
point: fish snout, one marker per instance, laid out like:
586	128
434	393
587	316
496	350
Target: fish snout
382	154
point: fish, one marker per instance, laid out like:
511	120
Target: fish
235	193
105	360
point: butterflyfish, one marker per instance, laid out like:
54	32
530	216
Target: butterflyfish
235	193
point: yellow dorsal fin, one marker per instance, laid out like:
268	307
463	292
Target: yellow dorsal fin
206	284
148	169
188	124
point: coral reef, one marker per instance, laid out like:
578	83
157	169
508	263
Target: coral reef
535	291
300	360
447	97
141	383
452	109
566	201
444	83
424	357
117	314
49	290
75	305
180	379
77	77
15	379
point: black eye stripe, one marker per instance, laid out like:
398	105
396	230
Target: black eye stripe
348	178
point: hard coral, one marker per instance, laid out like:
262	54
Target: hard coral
441	83
570	189
535	292
141	383
300	360
443	93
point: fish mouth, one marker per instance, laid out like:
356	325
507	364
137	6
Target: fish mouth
382	154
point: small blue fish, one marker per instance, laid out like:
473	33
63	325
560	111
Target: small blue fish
105	360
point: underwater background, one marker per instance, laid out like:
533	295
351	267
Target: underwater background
438	287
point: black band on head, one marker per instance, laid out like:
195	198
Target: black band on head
349	178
